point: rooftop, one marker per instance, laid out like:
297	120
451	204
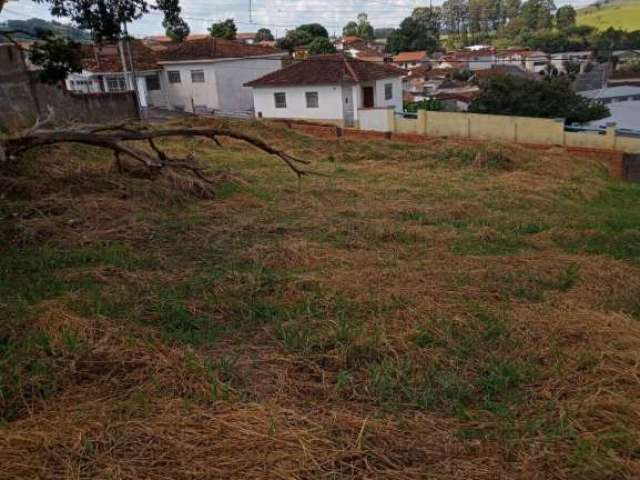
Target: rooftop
611	92
328	70
210	48
410	56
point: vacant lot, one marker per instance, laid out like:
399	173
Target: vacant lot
438	311
623	14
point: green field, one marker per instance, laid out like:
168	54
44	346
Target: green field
624	15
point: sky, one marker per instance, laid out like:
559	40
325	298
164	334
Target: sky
278	15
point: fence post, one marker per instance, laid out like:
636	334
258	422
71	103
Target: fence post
611	135
421	123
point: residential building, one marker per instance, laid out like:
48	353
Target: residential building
209	74
331	89
618	94
246	37
560	60
529	60
102	71
409	60
624	115
498	70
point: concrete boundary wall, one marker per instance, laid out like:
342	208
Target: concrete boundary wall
503	128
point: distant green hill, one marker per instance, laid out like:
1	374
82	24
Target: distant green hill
34	24
622	14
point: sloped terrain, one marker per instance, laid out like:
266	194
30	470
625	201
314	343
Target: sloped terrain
448	310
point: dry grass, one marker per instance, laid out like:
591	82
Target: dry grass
440	311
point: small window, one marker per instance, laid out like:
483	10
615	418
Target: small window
388	91
197	76
153	83
281	99
312	99
174	76
116	84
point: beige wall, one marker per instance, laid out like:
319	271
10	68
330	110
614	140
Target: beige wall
541	131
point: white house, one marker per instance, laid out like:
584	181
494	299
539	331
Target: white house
209	74
329	89
204	74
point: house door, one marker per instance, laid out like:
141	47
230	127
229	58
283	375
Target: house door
367	97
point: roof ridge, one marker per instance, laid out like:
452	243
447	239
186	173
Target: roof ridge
354	75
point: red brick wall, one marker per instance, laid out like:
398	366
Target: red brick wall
354	133
324	131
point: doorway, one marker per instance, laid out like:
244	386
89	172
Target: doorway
367	97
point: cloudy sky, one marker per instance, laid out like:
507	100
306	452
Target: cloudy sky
278	15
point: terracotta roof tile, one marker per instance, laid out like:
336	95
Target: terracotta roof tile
328	70
211	48
106	58
410	57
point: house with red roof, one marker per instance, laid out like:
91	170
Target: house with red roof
204	74
209	74
332	89
409	60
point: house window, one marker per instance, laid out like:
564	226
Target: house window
197	76
312	99
153	82
281	99
388	91
174	76
116	84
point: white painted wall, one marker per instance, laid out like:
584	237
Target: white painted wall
395	101
232	75
378	119
329	102
223	86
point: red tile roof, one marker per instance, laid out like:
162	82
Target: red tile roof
328	70
166	39
107	59
211	48
410	57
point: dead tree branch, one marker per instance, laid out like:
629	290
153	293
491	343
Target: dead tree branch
123	141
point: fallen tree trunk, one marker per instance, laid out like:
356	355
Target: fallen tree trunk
122	140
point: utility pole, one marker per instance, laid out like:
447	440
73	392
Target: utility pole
133	70
250	11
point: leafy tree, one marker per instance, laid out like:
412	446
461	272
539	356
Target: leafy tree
429	104
295	38
321	46
478	16
350	29
314	30
105	19
175	27
551	97
264	35
565	17
462	75
511	10
537	14
56	57
364	30
454	15
420	31
226	29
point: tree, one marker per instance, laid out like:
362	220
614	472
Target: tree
294	38
537	14
364	30
314	30
106	19
175	27
226	29
420	31
511	10
565	17
321	46
478	16
56	57
264	35
350	29
551	97
455	14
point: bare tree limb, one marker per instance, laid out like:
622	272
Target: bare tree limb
121	140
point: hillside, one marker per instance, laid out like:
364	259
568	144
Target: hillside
34	24
623	14
448	310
